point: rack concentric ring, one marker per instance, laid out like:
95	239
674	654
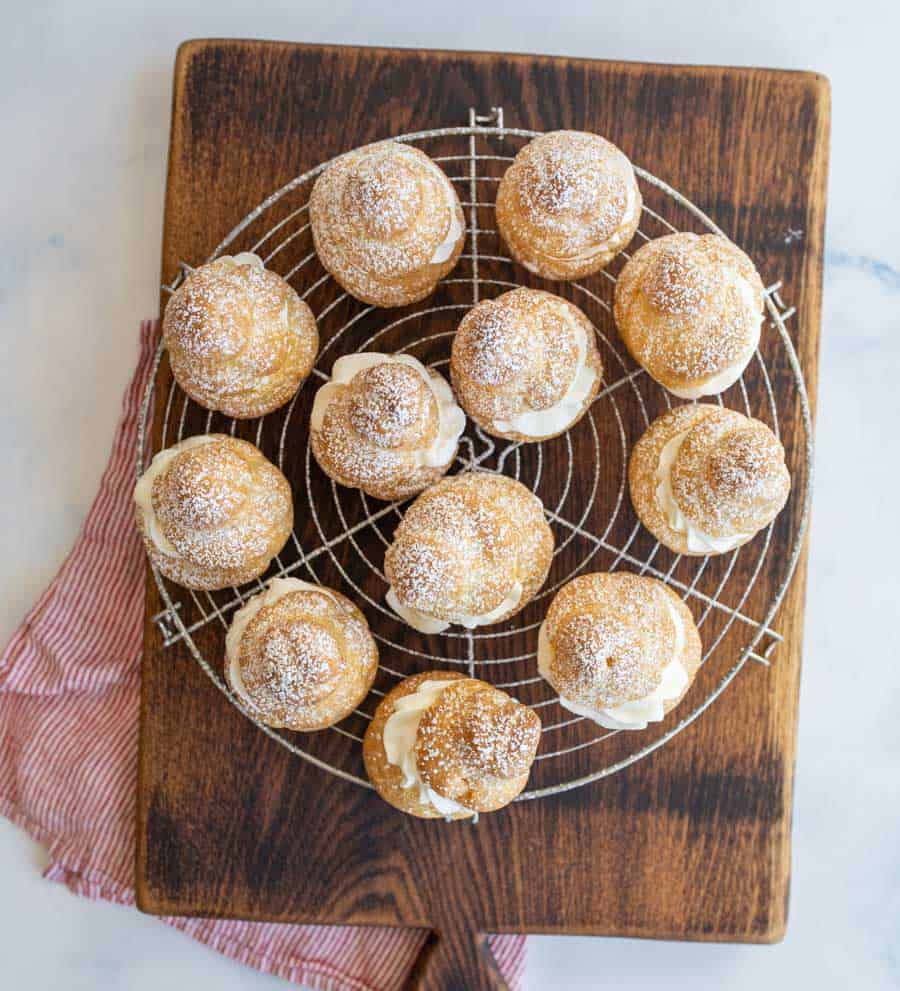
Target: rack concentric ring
567	742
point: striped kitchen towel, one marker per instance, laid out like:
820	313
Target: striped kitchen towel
69	685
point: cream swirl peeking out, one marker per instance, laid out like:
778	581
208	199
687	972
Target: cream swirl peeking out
698	540
300	656
525	365
444	251
385	424
212	511
689	308
143	491
399	734
472	550
427	624
442	745
705	479
620	649
387	223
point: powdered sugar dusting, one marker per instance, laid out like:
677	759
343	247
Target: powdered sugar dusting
463	545
570	198
492	344
677	280
383	195
729	476
306	659
518	353
612	636
689	307
476	744
296	666
391	429
391	406
378	216
240	340
225	509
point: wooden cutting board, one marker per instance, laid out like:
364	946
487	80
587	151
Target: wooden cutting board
693	842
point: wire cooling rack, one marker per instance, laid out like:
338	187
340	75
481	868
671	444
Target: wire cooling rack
340	534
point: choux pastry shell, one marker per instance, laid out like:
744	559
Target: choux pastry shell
300	656
213	511
689	308
705	479
442	745
620	649
568	204
387	223
525	365
385	424
240	340
473	549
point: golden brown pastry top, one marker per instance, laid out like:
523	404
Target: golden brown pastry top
468	749
475	742
689	309
704	479
240	340
568	203
525	365
213	511
381	214
465	543
729	475
300	656
612	636
385	424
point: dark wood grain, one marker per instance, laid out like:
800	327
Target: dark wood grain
692	842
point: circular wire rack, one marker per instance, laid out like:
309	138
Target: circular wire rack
340	535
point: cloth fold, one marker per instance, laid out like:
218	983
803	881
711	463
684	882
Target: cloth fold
69	694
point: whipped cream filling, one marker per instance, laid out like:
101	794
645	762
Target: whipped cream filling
399	737
424	623
731	373
554	419
242	258
445	249
143	491
275	590
636	714
451	419
698	540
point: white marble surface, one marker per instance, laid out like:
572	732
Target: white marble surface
85	95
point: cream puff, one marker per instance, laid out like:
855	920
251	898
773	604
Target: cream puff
568	204
689	308
705	479
240	340
385	424
212	511
300	656
525	365
442	745
473	549
387	223
619	649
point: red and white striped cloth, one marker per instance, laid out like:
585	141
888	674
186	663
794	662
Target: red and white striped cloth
69	684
